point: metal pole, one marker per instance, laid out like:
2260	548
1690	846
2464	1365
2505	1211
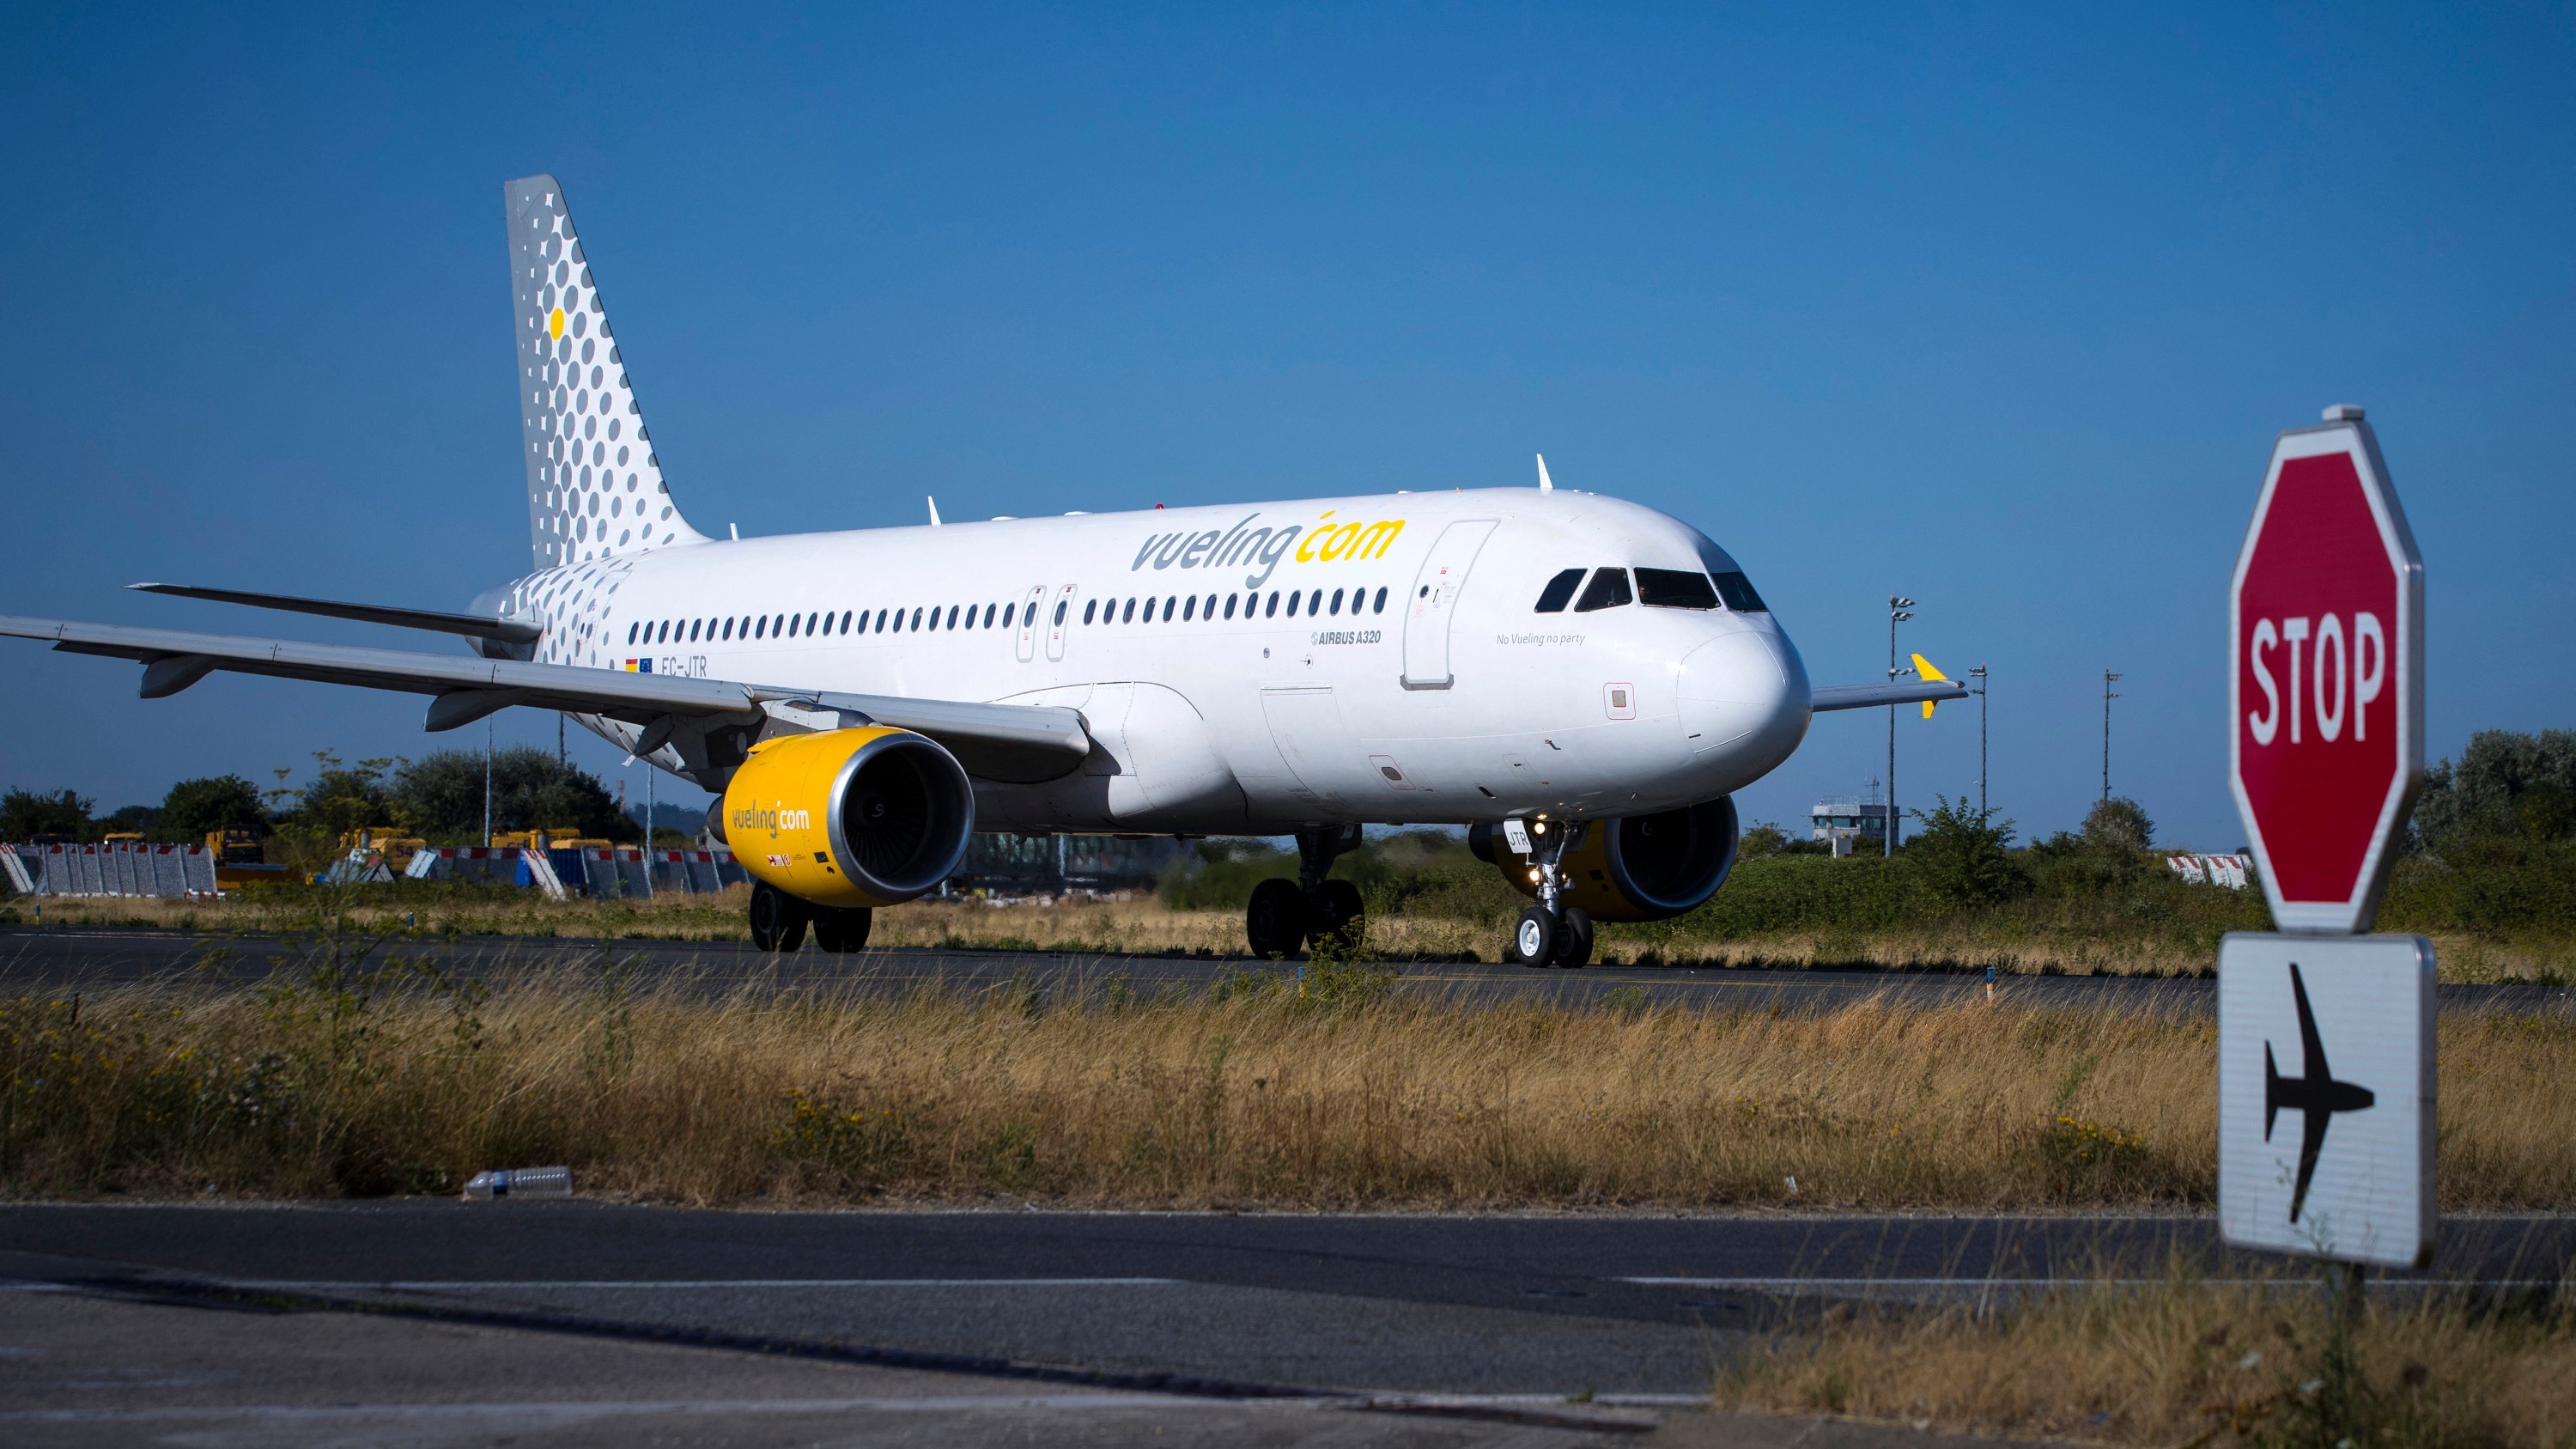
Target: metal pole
1983	684
2107	697
487	782
1896	607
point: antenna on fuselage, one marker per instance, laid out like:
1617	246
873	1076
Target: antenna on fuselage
934	509
1545	484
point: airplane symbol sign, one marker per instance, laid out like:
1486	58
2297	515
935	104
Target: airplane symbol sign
2358	1183
2314	1094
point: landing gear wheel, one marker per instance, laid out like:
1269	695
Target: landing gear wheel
843	929
1275	923
777	919
1339	912
1534	939
1574	938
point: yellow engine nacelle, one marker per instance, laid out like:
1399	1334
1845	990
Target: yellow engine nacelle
1632	868
855	817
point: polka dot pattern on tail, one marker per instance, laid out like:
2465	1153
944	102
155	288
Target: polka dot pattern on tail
573	387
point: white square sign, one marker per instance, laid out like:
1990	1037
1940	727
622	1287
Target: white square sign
2325	1096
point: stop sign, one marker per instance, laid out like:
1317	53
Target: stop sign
2326	669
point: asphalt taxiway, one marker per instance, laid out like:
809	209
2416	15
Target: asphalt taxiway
74	957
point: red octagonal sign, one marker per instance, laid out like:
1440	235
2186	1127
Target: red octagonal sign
2326	670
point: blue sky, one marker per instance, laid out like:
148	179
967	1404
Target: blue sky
1999	308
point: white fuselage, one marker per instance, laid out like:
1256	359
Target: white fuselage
1370	659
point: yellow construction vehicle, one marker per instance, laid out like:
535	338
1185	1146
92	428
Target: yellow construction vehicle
385	841
240	859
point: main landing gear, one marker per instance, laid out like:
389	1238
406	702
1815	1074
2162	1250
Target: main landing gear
779	920
1286	914
1551	933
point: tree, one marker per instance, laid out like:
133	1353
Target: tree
2504	784
197	808
131	820
341	797
24	815
1966	855
2118	824
1765	838
530	791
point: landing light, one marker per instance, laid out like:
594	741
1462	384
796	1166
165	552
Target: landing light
1533	877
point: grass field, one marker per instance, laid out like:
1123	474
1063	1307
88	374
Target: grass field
2188	1362
365	1078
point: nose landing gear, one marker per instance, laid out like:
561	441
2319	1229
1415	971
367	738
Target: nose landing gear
1551	933
1286	914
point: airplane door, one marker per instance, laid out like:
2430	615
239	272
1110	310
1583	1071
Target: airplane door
1029	623
1058	621
1435	601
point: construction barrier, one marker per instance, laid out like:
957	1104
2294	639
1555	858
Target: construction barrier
2225	870
489	864
116	868
632	873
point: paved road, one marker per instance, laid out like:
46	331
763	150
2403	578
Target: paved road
68	956
437	1322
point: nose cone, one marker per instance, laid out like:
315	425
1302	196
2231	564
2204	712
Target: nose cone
1743	704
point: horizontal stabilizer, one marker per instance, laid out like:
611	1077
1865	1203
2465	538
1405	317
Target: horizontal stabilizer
472	626
1866	696
1018	742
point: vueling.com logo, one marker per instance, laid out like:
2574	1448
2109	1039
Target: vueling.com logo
774	819
1325	542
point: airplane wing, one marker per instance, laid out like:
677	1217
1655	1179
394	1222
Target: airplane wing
473	626
1864	696
1015	742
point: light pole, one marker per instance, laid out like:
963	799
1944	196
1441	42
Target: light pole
1979	674
2107	697
1896	614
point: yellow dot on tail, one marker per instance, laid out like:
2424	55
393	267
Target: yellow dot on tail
554	324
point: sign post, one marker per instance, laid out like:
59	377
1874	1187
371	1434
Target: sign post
2325	1036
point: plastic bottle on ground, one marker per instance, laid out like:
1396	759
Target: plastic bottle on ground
521	1182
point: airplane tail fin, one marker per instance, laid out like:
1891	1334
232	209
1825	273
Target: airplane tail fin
595	488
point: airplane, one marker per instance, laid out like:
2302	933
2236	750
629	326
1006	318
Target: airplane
1588	679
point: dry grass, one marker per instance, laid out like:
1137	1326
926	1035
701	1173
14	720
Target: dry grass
1250	1095
2028	942
2187	1362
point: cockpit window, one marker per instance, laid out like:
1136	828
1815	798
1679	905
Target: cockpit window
1559	590
1608	590
1737	590
1674	589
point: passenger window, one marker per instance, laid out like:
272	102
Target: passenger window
1271	609
1008	611
988	615
760	627
1190	607
1737	590
1337	602
1293	597
1674	589
1211	608
1088	609
1380	606
1608	590
1059	609
630	633
916	620
952	616
693	629
811	620
1559	592
1168	601
845	621
1229	606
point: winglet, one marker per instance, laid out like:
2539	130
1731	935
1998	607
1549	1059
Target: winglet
1923	667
